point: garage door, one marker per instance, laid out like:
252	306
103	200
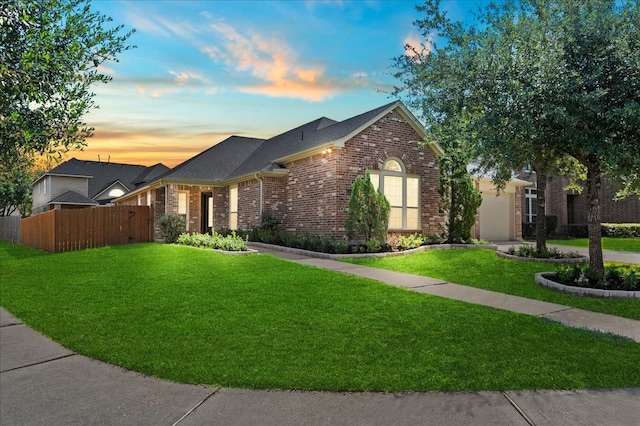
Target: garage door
496	216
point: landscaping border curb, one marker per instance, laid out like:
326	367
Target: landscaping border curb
566	261
584	291
333	256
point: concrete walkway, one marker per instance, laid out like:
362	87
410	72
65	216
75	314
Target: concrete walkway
566	315
608	255
43	383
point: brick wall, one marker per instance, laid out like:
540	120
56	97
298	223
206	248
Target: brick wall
518	212
275	196
220	208
571	206
318	188
312	201
158	211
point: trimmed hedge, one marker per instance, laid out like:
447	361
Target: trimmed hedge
621	230
613	230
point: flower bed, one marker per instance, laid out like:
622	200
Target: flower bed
565	261
550	280
552	255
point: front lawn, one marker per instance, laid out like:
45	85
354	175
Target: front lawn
619	244
195	316
483	269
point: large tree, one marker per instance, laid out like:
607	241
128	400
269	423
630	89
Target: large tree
547	81
50	55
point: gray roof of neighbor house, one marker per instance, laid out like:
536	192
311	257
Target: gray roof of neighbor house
103	174
72	197
237	156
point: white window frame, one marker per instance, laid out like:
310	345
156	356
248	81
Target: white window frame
530	199
183	206
233	207
378	179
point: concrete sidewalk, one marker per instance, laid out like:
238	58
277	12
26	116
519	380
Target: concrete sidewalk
566	315
42	383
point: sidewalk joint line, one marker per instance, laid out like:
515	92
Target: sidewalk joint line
11	325
429	285
38	363
568	308
196	406
518	409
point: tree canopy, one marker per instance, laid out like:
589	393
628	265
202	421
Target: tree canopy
541	82
50	55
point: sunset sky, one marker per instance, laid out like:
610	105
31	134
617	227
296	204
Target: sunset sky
205	70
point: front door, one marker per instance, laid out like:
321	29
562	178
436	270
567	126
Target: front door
206	207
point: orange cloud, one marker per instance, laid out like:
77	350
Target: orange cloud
272	62
145	147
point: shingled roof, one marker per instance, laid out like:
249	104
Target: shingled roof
103	174
72	197
215	164
237	157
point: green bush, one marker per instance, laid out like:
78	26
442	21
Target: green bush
408	242
621	230
231	242
615	277
171	226
613	230
550	253
373	245
368	211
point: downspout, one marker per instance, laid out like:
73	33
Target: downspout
259	178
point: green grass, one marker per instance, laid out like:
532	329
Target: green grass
256	321
619	244
483	269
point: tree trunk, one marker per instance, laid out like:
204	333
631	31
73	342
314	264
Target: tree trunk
541	214
594	181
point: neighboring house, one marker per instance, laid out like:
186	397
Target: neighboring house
80	184
499	217
570	207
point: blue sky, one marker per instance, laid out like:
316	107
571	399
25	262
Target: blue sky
205	70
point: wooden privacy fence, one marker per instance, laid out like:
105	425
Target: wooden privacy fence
77	229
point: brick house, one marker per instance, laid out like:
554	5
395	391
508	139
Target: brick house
570	207
304	177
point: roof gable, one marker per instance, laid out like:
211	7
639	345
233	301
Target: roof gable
72	197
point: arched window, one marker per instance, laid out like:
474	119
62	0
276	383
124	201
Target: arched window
402	191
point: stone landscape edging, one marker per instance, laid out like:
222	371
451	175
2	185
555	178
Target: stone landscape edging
565	261
584	291
335	256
